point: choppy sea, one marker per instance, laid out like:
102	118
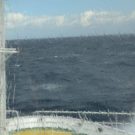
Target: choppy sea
76	73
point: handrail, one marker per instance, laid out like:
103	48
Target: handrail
87	112
13	111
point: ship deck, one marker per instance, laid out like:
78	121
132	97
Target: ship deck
58	125
42	132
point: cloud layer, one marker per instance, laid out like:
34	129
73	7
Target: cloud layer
92	20
85	19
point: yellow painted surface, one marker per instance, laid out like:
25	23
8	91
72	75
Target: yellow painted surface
42	132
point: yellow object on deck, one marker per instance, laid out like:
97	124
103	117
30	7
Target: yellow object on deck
42	132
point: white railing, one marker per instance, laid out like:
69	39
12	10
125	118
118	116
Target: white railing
66	119
13	112
86	112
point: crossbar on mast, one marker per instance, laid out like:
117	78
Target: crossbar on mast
8	50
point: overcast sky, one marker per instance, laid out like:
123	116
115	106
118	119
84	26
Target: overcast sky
56	18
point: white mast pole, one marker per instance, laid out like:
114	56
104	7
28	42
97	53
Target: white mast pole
3	52
3	130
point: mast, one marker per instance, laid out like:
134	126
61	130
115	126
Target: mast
3	52
3	130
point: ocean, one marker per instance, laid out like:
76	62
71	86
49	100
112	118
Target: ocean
76	73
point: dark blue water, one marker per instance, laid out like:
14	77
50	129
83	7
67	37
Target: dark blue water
85	73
